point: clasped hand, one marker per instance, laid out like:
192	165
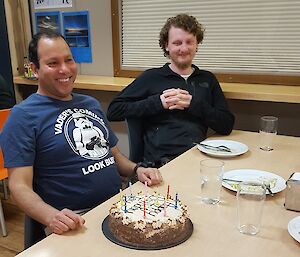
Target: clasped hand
175	99
65	220
150	175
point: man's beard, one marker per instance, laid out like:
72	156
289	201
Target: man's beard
183	65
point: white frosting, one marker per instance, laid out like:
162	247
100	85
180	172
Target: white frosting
154	210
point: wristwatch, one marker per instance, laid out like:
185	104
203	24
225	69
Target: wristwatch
134	177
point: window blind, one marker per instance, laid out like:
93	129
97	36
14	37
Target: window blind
241	36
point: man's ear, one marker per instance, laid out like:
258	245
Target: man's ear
34	69
167	47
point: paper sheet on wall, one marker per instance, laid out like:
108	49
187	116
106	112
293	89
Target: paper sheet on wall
48	4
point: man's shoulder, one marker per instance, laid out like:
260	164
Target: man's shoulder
202	71
81	98
30	102
153	73
154	70
77	96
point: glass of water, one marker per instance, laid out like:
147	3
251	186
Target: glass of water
211	172
267	131
250	201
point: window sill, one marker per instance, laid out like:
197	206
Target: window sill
240	91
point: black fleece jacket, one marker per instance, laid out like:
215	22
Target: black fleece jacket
168	133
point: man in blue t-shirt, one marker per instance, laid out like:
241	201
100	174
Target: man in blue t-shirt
58	147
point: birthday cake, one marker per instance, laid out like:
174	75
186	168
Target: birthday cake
150	220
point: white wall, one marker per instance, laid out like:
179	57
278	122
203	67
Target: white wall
101	39
248	114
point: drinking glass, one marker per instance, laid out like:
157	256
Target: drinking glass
211	172
267	131
250	201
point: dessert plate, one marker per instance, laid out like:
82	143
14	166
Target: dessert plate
110	236
232	178
294	228
236	148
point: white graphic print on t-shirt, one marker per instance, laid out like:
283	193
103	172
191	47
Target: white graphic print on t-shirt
85	132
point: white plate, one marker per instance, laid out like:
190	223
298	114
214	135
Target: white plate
294	228
236	148
277	183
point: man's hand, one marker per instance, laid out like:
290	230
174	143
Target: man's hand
65	220
151	175
175	99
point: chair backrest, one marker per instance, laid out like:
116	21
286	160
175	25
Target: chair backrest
3	116
33	232
135	131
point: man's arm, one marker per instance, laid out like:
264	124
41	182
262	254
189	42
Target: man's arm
215	114
126	168
20	185
134	101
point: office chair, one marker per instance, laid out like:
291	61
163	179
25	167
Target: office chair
136	146
33	232
3	172
135	138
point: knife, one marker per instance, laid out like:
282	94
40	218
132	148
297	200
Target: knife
221	148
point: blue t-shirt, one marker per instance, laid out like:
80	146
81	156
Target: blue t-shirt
68	144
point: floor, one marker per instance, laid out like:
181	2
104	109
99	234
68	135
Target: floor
12	244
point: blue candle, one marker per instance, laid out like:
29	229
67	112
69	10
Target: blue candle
176	200
125	204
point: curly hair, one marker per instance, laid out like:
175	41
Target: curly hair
182	21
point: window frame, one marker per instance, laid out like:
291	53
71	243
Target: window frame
249	78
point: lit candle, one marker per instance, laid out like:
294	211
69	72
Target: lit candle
130	189
125	204
168	192
176	201
165	210
121	197
146	188
156	201
144	207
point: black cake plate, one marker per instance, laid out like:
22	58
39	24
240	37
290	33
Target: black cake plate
182	238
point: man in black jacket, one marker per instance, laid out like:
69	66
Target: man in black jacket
177	102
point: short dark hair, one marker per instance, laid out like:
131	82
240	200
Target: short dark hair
182	21
33	44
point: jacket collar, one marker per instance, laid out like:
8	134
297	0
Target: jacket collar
168	72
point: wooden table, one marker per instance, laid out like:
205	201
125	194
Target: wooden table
215	233
239	91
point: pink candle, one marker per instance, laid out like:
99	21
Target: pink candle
121	198
130	189
146	188
145	208
165	211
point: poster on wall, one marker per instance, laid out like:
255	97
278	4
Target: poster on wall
47	20
47	4
76	30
